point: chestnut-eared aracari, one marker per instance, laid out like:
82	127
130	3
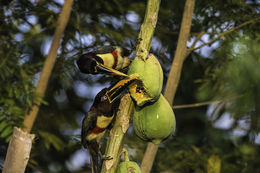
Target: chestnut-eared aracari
99	118
105	60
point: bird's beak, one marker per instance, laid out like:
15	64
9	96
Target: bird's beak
103	69
118	88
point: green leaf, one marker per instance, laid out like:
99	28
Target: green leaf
7	132
3	124
2	117
8	138
51	139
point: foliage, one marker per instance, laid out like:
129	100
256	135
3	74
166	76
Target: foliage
235	77
17	84
230	71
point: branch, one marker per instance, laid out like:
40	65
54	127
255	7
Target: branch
48	65
114	145
205	103
224	33
194	42
197	39
195	104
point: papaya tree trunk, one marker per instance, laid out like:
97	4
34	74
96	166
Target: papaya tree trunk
18	151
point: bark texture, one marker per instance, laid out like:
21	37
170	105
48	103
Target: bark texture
19	147
149	157
181	52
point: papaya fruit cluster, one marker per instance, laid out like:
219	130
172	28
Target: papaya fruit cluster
153	119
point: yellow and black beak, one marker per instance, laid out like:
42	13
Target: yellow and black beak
100	68
114	92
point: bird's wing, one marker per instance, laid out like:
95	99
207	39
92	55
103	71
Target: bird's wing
88	123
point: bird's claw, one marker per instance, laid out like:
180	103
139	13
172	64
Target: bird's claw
107	157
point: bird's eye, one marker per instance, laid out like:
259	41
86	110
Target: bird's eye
103	98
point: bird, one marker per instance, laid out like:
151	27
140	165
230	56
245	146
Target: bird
99	118
105	60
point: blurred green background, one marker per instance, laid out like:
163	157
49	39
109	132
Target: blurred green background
227	71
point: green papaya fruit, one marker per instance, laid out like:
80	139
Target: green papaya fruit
150	73
128	167
154	122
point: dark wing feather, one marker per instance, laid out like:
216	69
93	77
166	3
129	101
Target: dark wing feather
88	123
125	52
104	49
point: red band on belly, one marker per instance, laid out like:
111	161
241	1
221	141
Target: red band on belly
114	53
97	130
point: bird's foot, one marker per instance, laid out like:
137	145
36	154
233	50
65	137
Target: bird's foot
107	157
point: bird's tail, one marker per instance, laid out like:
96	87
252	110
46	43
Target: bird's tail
96	161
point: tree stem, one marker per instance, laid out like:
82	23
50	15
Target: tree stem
147	29
149	157
180	54
30	117
18	152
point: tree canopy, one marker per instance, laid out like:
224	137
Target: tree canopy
222	71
